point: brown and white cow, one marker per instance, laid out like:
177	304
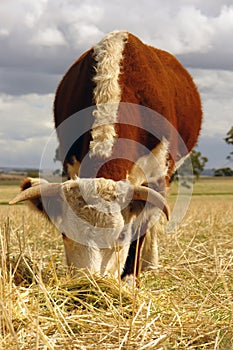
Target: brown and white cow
140	115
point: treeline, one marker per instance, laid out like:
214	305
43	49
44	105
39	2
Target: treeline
223	172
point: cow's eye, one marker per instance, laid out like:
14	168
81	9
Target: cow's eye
122	236
132	206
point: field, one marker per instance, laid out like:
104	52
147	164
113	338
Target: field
186	304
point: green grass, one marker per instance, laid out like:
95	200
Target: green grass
221	187
214	186
205	186
7	192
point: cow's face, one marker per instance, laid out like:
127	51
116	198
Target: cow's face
97	224
96	217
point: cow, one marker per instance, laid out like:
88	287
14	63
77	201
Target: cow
126	115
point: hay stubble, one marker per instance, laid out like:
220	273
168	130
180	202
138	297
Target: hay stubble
186	304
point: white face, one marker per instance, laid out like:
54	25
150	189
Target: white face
94	213
92	227
97	219
104	246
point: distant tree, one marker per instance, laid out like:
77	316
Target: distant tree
229	141
57	157
223	172
198	164
33	173
57	172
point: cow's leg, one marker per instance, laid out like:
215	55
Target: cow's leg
150	254
150	258
132	264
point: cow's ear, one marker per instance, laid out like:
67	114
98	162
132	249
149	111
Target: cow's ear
35	203
31	182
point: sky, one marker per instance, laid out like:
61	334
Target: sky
40	39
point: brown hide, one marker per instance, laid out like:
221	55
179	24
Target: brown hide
155	79
149	77
74	93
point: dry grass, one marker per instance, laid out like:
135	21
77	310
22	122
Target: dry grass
186	304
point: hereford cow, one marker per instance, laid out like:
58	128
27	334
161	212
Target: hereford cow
126	114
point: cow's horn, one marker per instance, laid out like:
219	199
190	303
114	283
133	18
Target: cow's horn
47	190
147	194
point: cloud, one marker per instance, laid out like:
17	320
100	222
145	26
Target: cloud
29	105
26	124
216	150
216	89
16	82
48	37
188	31
219	53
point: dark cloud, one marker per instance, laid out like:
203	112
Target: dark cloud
216	150
212	8
18	82
215	60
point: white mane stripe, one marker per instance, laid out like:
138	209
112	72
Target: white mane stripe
107	92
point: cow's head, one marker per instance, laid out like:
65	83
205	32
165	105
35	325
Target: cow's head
97	217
